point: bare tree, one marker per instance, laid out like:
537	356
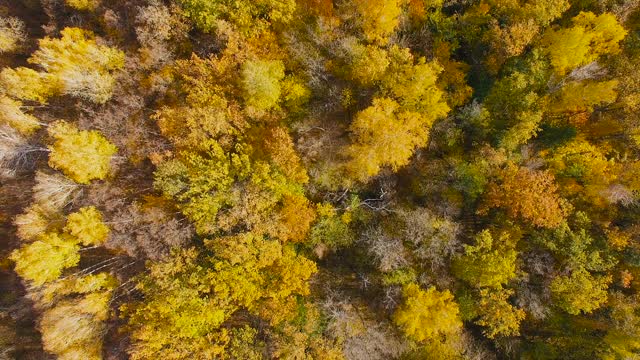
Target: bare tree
55	191
433	238
15	151
149	232
388	251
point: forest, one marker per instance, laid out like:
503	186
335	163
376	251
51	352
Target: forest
319	179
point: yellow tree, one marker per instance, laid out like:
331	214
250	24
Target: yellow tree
11	114
249	17
12	33
261	83
81	155
87	226
83	4
73	320
190	296
378	18
584	169
384	136
367	63
44	260
427	314
590	37
74	64
496	313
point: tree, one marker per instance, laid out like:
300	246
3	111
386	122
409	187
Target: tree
427	314
577	97
16	153
188	297
413	83
87	226
73	327
384	136
261	83
74	65
584	162
247	16
367	63
527	194
27	84
145	230
12	34
201	182
580	291
44	259
488	263
500	317
622	339
590	37
433	238
378	19
296	217
88	5
11	114
54	191
81	155
35	221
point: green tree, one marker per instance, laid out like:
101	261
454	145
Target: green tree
189	297
580	291
247	16
489	263
81	155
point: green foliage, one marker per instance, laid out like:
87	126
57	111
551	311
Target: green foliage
81	155
399	277
331	230
190	296
246	16
489	263
580	291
